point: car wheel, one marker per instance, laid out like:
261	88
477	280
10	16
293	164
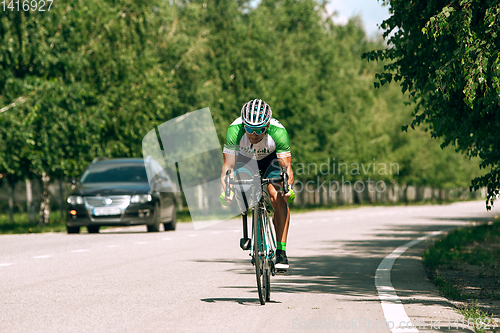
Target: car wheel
170	226
155	227
93	229
73	230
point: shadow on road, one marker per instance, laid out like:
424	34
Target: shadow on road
242	301
349	267
480	220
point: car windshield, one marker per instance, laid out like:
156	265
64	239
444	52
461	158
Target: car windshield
109	173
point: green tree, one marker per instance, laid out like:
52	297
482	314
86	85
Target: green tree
91	78
445	55
79	81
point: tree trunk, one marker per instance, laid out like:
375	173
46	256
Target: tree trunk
200	196
302	195
405	193
61	197
10	184
29	202
45	205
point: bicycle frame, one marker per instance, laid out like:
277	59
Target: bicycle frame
263	243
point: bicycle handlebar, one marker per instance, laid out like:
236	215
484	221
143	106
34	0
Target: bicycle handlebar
226	182
256	178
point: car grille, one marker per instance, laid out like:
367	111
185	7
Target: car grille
108	201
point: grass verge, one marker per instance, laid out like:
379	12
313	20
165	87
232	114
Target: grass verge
22	225
464	265
183	215
477	319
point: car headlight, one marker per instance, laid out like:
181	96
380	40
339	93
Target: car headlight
141	198
75	200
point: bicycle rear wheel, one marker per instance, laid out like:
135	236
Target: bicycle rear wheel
259	257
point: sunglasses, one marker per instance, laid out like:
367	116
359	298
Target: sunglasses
255	130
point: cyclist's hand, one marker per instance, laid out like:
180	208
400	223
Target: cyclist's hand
290	195
225	201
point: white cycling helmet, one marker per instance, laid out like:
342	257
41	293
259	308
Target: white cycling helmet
256	113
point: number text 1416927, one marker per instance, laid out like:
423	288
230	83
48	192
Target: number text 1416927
26	5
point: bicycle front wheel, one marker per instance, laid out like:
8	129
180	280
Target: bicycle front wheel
259	257
267	258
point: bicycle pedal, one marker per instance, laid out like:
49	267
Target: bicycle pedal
245	243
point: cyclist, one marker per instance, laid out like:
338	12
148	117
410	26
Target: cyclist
257	135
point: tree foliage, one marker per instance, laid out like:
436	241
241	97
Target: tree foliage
445	55
91	78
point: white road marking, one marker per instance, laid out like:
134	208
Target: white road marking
394	311
193	235
43	257
5	264
113	246
215	232
168	238
82	250
141	242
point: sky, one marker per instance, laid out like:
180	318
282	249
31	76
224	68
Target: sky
371	12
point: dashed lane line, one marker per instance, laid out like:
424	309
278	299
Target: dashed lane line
108	246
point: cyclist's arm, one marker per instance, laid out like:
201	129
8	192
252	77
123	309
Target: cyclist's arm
287	162
229	163
279	134
231	148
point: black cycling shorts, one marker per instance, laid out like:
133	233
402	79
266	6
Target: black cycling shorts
266	165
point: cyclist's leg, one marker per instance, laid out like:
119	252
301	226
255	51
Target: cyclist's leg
281	214
281	219
243	201
243	206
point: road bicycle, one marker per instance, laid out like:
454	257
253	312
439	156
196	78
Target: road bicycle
262	245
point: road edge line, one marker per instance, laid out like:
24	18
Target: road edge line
392	306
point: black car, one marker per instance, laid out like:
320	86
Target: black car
116	192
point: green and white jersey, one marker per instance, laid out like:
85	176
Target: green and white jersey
276	140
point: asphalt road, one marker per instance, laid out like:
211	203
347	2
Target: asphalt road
128	280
